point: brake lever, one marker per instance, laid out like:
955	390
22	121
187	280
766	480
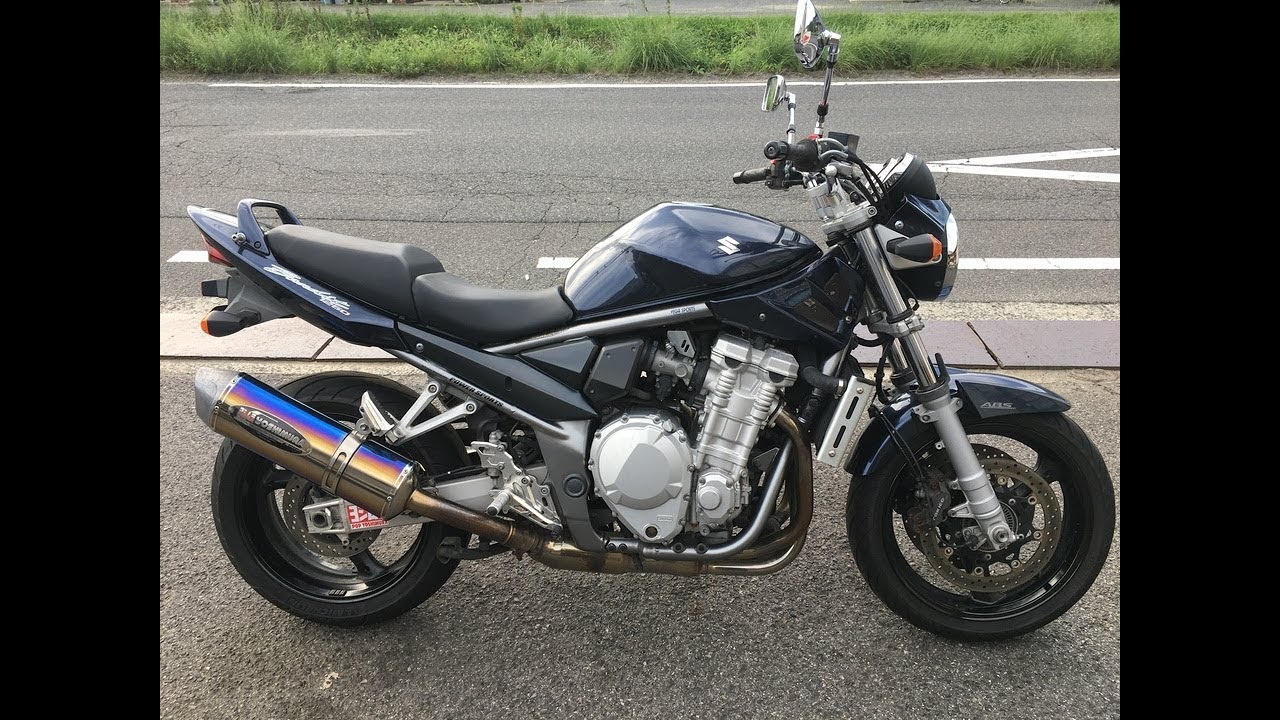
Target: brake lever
777	180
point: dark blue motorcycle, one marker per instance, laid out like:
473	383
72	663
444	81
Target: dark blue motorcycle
661	412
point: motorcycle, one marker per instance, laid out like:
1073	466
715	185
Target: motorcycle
661	412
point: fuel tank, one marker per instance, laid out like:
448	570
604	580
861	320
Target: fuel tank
676	252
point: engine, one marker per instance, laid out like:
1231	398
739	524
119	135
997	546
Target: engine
660	483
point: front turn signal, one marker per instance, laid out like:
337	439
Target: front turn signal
924	248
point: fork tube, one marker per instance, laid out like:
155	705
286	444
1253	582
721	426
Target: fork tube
917	357
933	404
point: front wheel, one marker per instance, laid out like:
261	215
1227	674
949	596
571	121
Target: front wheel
938	572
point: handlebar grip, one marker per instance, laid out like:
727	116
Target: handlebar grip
750	176
802	155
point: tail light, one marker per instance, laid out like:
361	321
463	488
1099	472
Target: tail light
215	255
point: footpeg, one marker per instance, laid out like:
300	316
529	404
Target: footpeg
373	418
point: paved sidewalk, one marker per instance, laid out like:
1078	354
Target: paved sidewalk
977	344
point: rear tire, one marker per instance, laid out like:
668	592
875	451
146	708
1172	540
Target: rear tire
247	512
1064	456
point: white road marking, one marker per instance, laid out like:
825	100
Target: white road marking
190	256
1090	263
1025	172
641	86
339	132
556	263
1034	157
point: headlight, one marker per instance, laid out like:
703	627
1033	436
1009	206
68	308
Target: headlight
953	257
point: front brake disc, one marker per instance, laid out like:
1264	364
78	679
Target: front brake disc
1018	562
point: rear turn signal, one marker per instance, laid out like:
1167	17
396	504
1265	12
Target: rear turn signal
220	323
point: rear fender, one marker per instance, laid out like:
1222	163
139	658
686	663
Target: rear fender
983	394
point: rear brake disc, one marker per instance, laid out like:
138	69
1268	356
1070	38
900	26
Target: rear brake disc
299	493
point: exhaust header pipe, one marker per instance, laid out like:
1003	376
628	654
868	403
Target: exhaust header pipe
295	437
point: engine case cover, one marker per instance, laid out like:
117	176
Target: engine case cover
640	463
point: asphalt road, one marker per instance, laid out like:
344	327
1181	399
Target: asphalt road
514	639
492	179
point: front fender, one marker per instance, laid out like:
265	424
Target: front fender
984	394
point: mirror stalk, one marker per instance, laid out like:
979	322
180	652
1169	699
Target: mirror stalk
791	117
833	51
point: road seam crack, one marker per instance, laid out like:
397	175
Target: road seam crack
323	346
985	346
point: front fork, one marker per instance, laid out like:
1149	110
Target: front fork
932	398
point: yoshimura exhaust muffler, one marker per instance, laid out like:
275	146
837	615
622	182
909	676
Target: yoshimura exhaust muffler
295	437
333	456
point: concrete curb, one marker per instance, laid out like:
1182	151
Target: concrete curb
977	344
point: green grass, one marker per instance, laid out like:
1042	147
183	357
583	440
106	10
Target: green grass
247	37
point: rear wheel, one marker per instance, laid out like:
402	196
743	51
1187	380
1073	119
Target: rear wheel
365	578
941	575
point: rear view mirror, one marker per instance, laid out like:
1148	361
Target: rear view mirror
775	93
810	34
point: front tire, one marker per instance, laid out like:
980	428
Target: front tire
395	570
948	590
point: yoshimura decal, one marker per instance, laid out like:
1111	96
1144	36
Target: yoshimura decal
272	429
326	297
359	519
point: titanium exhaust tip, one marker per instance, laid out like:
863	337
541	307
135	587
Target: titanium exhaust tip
209	384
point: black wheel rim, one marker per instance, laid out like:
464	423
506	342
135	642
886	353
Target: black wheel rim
327	579
1066	560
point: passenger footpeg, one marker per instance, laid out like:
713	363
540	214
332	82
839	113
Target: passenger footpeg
373	418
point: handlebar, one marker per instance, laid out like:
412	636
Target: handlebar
750	176
797	157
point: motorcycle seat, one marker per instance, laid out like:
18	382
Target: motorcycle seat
410	282
487	315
